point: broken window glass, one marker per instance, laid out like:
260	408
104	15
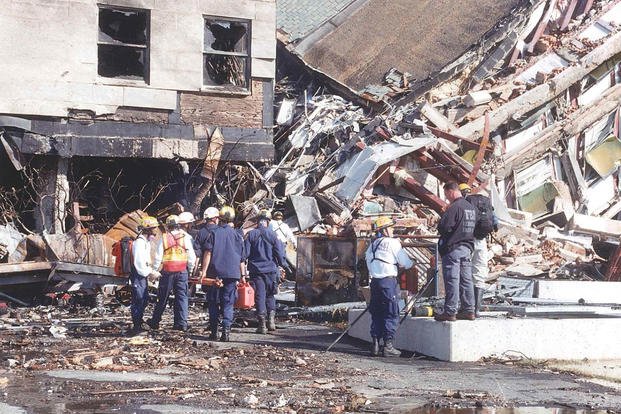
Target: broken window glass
123	46
225	53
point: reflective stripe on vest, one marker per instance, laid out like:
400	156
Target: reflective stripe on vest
175	256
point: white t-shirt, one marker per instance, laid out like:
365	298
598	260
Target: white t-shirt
389	254
141	250
283	232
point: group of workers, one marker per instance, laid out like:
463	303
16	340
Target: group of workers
463	229
226	258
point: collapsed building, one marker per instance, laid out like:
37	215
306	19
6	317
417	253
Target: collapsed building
520	101
529	114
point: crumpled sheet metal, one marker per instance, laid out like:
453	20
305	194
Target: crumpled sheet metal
366	163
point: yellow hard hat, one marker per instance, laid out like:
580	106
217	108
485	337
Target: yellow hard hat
172	220
149	222
464	187
227	213
383	222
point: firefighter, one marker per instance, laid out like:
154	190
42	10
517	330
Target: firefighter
265	259
224	260
210	215
176	255
384	257
211	223
142	270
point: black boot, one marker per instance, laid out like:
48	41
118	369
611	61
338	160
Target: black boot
135	330
478	300
389	350
213	334
271	321
262	329
226	335
375	347
154	326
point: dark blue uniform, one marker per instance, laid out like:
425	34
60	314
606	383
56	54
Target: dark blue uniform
227	253
140	297
265	253
211	292
456	228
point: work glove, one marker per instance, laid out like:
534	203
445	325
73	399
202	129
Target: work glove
154	276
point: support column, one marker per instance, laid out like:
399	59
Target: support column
53	191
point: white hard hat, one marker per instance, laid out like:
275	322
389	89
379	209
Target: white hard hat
186	217
211	213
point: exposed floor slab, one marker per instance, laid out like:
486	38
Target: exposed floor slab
535	338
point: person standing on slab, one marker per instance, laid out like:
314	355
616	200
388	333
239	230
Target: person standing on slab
384	257
486	223
455	246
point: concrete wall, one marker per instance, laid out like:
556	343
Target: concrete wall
48	53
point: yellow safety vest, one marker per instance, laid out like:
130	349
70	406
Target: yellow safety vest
175	255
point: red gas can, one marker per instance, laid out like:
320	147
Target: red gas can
245	296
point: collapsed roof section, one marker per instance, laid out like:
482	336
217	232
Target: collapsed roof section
358	41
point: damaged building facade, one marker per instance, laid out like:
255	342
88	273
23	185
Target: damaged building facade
153	82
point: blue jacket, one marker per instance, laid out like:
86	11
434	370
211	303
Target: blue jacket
265	252
227	252
203	235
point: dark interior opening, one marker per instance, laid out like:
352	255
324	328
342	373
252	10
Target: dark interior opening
229	65
123	43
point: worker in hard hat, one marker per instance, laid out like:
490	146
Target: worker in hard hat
186	223
282	229
384	256
485	224
266	256
142	269
176	255
224	260
210	215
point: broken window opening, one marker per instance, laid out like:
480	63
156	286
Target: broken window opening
225	54
123	45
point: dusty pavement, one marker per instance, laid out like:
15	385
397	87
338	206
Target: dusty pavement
93	368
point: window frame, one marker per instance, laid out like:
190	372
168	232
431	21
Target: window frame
146	77
230	89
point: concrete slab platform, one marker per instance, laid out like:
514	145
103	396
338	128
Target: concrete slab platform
536	338
575	291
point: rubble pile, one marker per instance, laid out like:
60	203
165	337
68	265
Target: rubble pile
531	122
